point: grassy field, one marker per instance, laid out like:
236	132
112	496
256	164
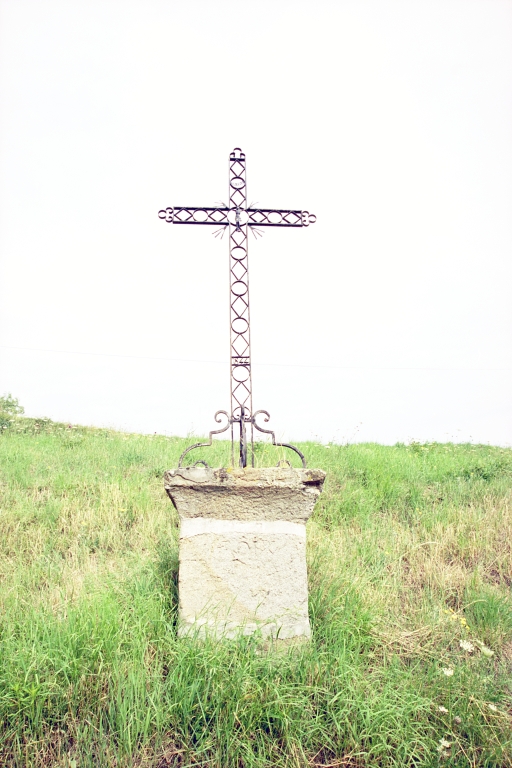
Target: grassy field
410	568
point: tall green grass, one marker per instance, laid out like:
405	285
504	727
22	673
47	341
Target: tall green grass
410	569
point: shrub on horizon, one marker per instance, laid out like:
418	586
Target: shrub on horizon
9	409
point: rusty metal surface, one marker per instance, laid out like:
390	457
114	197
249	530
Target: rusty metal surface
238	219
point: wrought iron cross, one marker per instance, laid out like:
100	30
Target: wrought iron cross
239	218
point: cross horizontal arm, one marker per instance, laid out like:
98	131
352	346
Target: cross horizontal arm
275	217
257	217
180	215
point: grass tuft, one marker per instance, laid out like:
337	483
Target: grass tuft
410	570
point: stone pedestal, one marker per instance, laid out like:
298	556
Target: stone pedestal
243	549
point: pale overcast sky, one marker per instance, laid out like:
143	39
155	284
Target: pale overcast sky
388	320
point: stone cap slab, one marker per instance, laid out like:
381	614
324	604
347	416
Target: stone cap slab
273	493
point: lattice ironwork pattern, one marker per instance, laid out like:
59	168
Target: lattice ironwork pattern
240	332
259	217
237	218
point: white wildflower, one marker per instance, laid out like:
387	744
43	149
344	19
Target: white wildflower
443	710
467	646
444	744
493	707
448	671
457	720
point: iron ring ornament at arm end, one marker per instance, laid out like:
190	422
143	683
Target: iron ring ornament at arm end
166	214
308	218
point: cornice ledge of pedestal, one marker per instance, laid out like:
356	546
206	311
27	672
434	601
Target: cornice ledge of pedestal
286	477
274	493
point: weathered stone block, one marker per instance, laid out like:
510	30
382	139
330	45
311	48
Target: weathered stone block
243	549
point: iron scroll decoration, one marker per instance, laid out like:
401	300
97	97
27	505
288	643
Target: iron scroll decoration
243	420
237	218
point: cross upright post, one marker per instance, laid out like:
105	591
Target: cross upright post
240	329
238	218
